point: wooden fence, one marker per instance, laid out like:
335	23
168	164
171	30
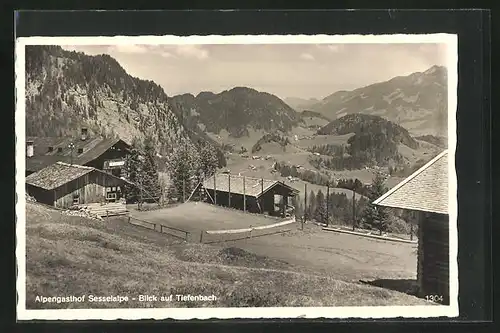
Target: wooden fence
221	236
175	232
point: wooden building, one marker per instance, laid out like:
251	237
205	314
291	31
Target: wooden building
425	194
254	195
63	185
107	154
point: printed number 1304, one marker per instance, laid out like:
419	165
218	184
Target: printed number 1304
434	298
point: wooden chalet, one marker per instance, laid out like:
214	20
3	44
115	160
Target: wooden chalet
425	194
254	195
64	185
106	154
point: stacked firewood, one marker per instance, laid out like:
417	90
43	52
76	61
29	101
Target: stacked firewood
82	212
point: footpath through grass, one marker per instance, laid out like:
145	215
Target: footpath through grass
75	256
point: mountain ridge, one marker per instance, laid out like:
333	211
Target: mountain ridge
417	101
67	90
237	110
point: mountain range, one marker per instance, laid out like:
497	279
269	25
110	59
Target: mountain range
300	104
236	111
66	90
417	102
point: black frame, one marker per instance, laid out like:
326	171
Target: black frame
473	155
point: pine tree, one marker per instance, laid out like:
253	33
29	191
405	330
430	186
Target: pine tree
311	205
320	209
375	216
208	160
133	166
185	171
150	177
299	207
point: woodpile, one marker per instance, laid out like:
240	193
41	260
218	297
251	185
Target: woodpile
82	212
29	198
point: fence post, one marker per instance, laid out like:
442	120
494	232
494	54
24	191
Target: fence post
183	190
107	215
305	202
261	191
129	219
229	189
327	202
353	210
215	189
244	197
201	236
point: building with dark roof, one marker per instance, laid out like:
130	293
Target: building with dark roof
94	151
255	195
63	185
425	194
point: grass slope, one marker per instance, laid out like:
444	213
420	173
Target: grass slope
69	255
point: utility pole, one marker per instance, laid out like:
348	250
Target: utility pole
71	146
140	193
353	210
305	202
327	202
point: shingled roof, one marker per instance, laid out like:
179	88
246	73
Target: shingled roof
91	149
254	187
59	174
425	190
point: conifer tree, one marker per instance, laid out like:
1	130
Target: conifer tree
150	177
311	205
208	159
320	209
184	169
132	166
375	216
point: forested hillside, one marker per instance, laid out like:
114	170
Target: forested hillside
67	90
236	111
375	142
418	101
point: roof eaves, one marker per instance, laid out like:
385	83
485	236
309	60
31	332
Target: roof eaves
409	178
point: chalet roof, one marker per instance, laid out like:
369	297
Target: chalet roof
58	174
92	148
425	190
254	187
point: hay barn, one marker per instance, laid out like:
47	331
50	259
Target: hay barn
425	194
107	154
63	185
254	195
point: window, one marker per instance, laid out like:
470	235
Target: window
111	196
76	199
51	149
80	150
59	149
111	193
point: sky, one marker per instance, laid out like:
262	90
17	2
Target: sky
286	70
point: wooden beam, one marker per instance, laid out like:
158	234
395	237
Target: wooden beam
215	190
327	203
244	196
229	190
260	200
209	195
305	201
197	188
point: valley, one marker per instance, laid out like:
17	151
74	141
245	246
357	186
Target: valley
232	164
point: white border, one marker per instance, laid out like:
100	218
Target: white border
232	313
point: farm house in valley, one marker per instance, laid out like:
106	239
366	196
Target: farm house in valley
254	195
106	154
63	185
425	194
